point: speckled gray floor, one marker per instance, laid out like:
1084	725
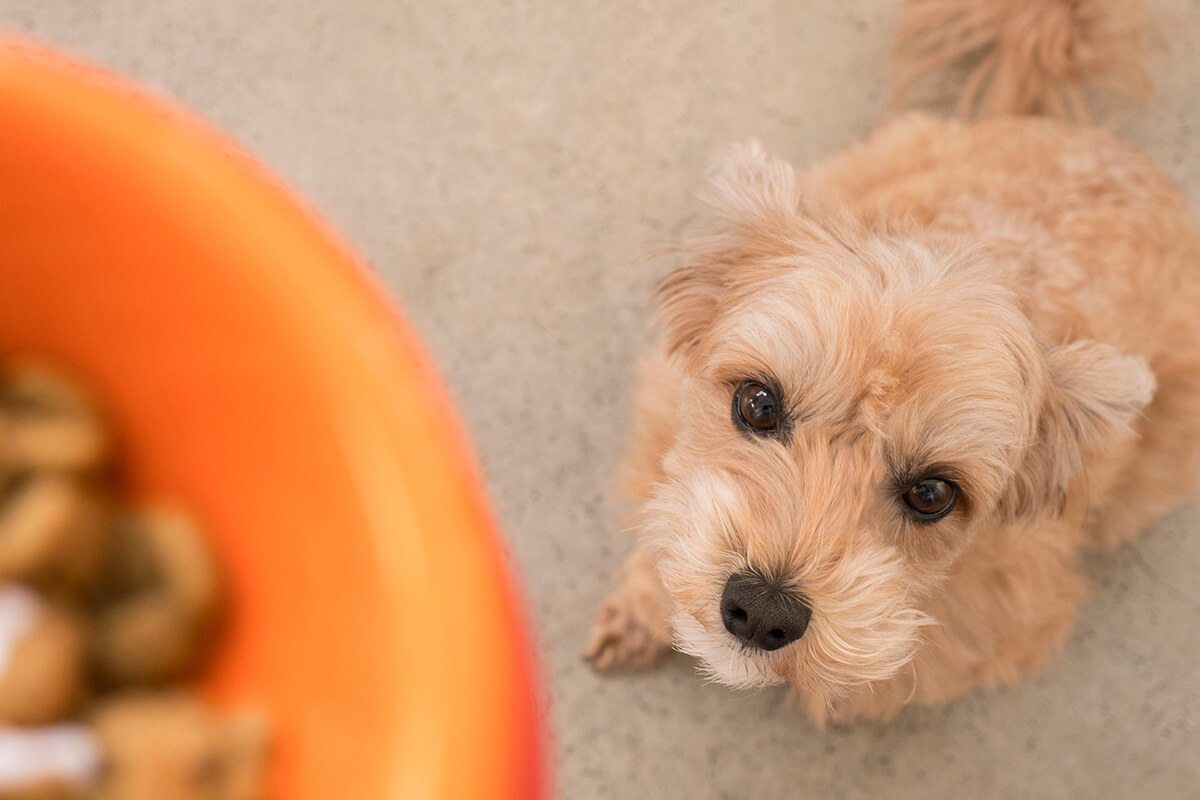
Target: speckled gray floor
505	164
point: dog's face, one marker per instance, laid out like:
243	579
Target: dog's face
855	410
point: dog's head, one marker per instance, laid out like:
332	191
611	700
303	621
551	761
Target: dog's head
855	409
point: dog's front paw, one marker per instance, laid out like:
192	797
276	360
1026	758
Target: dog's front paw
630	632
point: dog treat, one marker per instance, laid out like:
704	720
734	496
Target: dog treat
42	658
101	604
169	744
52	532
55	762
143	745
160	599
49	422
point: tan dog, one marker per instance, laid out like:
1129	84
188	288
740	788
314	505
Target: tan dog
898	395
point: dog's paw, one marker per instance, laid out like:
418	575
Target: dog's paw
630	632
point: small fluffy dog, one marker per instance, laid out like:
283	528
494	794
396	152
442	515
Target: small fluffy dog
898	394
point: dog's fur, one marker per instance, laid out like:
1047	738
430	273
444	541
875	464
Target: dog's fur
1014	302
1029	56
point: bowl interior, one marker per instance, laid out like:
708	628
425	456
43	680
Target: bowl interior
255	376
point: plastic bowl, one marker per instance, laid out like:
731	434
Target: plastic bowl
257	375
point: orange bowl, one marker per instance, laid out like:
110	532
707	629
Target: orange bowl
257	375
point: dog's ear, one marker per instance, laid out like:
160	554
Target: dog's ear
1094	393
752	188
758	198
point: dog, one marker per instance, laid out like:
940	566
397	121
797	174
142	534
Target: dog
897	395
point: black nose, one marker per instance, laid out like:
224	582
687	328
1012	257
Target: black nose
762	615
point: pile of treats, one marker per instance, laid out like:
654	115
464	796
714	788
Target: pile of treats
104	608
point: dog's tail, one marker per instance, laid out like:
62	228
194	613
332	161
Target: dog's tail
1029	56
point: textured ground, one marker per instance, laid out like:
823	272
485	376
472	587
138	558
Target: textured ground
505	164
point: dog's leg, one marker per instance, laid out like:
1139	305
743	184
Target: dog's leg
632	628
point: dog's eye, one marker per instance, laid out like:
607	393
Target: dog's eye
931	499
755	407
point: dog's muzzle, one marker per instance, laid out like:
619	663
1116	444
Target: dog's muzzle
762	615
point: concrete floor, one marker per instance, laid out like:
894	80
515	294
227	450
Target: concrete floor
505	165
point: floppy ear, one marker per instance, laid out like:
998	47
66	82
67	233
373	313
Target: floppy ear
757	196
1095	393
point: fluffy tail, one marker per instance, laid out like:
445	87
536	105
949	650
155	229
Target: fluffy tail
1030	56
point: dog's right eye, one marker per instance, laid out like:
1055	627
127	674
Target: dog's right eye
931	499
755	407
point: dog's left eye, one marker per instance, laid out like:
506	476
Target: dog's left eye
931	499
756	408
